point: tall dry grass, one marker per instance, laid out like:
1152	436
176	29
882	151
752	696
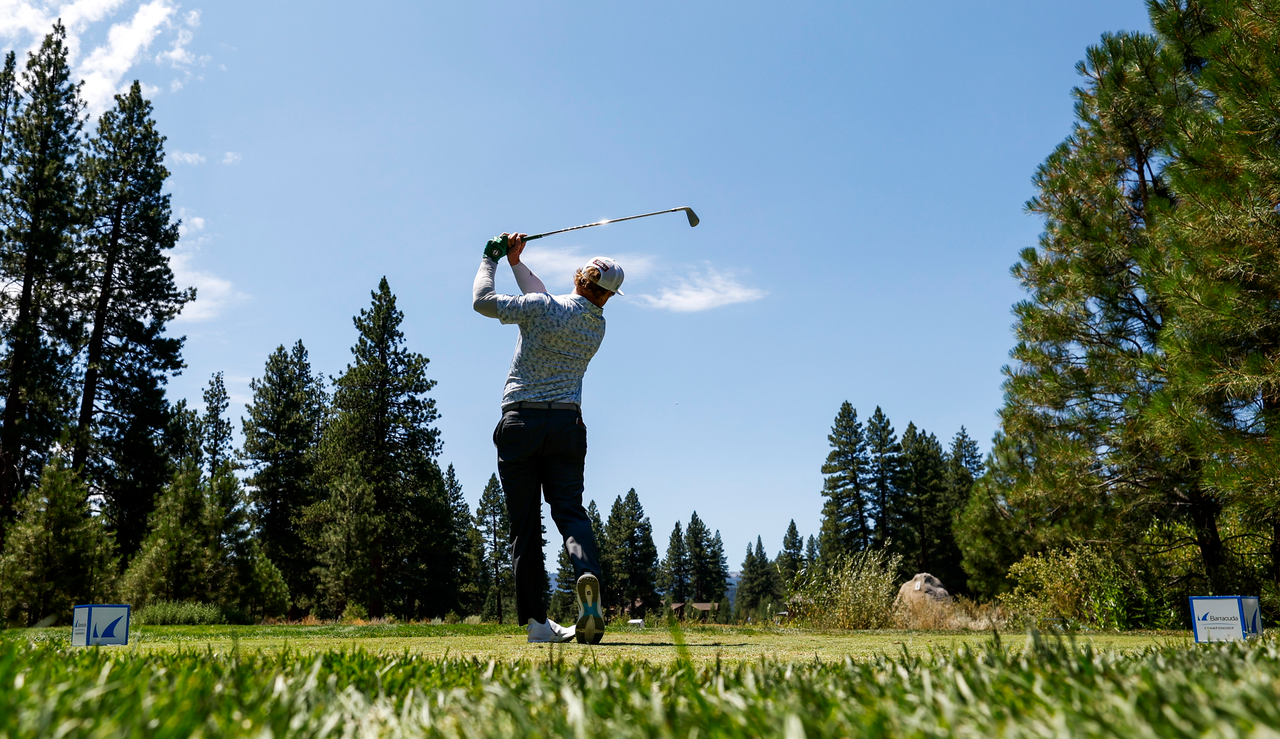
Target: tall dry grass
853	592
953	614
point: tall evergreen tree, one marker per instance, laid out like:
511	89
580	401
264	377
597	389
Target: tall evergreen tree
469	543
349	527
382	431
675	575
57	554
281	443
702	569
718	581
1223	392
198	548
992	534
761	583
40	199
215	427
846	525
926	512
811	552
495	525
633	565
131	297
1089	361
882	472
791	558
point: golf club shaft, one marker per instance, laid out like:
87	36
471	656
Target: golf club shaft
692	221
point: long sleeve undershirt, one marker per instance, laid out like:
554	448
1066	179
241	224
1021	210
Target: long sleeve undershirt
483	297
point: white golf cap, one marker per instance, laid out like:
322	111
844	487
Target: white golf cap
611	273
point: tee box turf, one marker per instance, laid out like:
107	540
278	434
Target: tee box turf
1225	617
96	625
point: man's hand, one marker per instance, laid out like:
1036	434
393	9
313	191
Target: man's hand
509	245
515	245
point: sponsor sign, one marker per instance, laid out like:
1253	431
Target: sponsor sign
1225	618
95	625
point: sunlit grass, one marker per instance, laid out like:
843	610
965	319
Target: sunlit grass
1015	687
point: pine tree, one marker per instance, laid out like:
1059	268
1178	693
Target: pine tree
350	526
718	583
791	558
215	427
40	199
469	543
923	510
845	525
1089	358
495	525
1223	394
131	297
674	577
198	549
633	558
991	534
281	442
882	472
57	554
702	568
381	430
811	552
760	584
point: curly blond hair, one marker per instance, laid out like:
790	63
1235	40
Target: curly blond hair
587	279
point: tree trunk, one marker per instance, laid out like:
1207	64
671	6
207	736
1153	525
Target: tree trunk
96	341
1203	514
10	445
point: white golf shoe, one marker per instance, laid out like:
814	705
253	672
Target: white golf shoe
548	631
590	626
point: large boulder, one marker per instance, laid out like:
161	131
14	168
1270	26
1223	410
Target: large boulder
922	588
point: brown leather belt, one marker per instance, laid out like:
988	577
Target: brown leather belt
527	405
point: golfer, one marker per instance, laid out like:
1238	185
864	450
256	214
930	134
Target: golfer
541	439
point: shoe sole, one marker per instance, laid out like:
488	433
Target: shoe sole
590	626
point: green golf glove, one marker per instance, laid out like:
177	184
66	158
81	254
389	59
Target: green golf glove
496	248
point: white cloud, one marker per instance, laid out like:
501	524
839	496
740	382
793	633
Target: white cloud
213	293
183	157
555	265
190	226
702	291
231	157
113	60
107	65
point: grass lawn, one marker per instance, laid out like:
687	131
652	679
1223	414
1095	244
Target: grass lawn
705	644
485	681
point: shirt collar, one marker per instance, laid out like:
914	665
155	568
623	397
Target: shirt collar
588	304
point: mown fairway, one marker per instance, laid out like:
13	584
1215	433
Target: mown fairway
351	681
705	644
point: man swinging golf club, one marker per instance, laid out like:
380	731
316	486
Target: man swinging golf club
541	439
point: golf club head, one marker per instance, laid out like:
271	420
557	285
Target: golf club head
693	217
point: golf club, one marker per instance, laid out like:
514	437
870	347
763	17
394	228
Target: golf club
693	221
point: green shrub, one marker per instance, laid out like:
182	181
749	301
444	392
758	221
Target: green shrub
354	613
169	613
1084	587
854	592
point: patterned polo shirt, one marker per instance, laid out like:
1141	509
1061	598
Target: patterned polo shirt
559	334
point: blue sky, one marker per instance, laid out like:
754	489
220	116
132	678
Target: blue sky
860	170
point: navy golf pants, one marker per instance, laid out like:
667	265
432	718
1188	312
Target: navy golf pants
542	453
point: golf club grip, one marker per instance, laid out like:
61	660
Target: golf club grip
527	239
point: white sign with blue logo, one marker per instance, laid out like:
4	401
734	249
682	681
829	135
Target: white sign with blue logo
95	625
1225	617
